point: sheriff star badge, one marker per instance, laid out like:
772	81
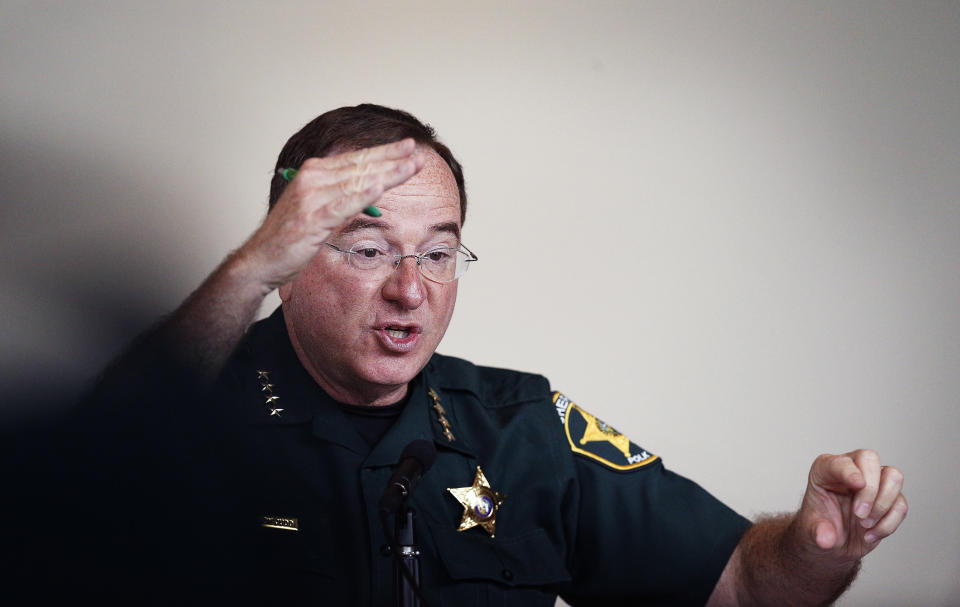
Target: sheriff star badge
480	504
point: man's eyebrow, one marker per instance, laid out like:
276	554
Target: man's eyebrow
362	223
448	226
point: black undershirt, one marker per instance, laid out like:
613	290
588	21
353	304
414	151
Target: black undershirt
373	421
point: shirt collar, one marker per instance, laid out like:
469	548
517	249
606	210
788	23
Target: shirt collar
302	400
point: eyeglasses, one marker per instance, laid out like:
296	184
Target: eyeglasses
443	264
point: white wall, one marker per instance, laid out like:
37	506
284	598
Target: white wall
732	231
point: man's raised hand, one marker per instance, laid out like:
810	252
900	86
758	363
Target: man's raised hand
324	194
851	503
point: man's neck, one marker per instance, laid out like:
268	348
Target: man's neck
376	395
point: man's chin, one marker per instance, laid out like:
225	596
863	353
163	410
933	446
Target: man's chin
391	372
395	372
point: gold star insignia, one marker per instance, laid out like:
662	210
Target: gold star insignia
480	504
266	388
272	398
441	415
275	412
597	430
263	375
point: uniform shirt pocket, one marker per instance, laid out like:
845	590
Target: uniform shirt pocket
529	559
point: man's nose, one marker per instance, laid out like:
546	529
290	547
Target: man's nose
405	284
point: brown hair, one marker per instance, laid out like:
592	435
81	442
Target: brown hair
357	127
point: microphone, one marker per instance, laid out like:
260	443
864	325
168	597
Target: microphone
415	460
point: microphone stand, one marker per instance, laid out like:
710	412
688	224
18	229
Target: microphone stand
416	458
406	565
406	557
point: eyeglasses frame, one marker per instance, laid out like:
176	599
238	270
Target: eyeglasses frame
419	257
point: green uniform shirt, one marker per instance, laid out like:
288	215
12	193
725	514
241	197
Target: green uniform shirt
587	514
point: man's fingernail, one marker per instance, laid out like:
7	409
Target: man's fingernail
870	538
863	509
867	523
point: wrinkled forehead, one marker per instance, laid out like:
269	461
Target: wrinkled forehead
430	194
436	172
435	182
428	202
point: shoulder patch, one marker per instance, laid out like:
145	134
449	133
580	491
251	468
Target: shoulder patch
597	440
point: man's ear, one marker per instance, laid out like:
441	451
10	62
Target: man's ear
285	290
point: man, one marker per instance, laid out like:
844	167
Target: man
520	505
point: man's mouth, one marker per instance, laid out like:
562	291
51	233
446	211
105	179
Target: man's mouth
399	338
397	333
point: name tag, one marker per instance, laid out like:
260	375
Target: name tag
280	522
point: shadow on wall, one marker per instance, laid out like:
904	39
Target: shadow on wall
88	262
138	493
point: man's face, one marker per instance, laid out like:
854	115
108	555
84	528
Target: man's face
361	335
